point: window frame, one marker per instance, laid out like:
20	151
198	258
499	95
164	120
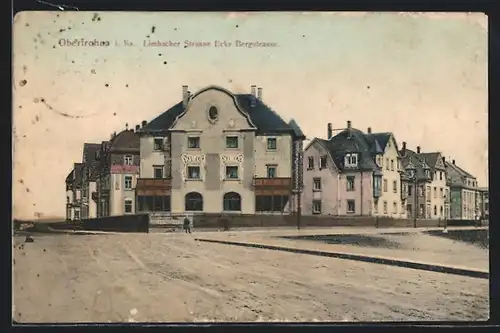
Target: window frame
197	141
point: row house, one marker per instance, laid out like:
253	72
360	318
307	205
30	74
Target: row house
216	151
117	173
428	192
354	173
73	192
465	194
88	180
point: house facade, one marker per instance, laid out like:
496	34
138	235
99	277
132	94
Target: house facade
73	193
353	173
216	151
118	170
432	201
88	182
484	202
464	193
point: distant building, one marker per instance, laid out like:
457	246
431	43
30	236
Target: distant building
216	151
433	191
118	170
73	192
353	173
484	202
88	182
464	193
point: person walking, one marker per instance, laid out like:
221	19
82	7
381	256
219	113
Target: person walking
187	227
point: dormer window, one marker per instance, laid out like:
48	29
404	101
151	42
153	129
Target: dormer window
351	160
427	173
128	159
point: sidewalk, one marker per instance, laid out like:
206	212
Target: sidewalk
416	247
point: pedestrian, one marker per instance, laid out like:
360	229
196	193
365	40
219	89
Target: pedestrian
187	227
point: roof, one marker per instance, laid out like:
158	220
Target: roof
459	170
412	161
78	168
69	177
298	132
125	140
347	141
266	120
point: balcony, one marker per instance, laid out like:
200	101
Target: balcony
272	186
153	186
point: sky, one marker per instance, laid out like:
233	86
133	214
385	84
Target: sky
421	76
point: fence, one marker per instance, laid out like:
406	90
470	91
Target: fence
225	221
123	223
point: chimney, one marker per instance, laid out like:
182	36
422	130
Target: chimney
329	131
369	130
185	96
259	93
252	89
137	128
444	160
403	151
418	149
453	161
349	124
126	126
144	123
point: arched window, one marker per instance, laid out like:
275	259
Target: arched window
232	201
193	202
435	210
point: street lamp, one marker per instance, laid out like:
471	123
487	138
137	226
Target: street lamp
377	189
411	170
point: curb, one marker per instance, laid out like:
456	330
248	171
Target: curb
356	257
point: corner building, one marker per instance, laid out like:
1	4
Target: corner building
216	152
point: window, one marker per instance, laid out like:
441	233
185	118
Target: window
435	192
213	113
231	172
193	172
385	185
272	171
231	142
158	144
380	161
385	207
351	206
375	207
395	207
440	210
410	190
350	183
77	214
128	160
440	175
310	164
128	182
322	162
421	191
428	192
67	199
392	165
427	172
317	184
387	164
316	207
153	203
351	160
232	201
395	186
441	193
193	202
271	203
158	171
271	143
128	206
194	142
